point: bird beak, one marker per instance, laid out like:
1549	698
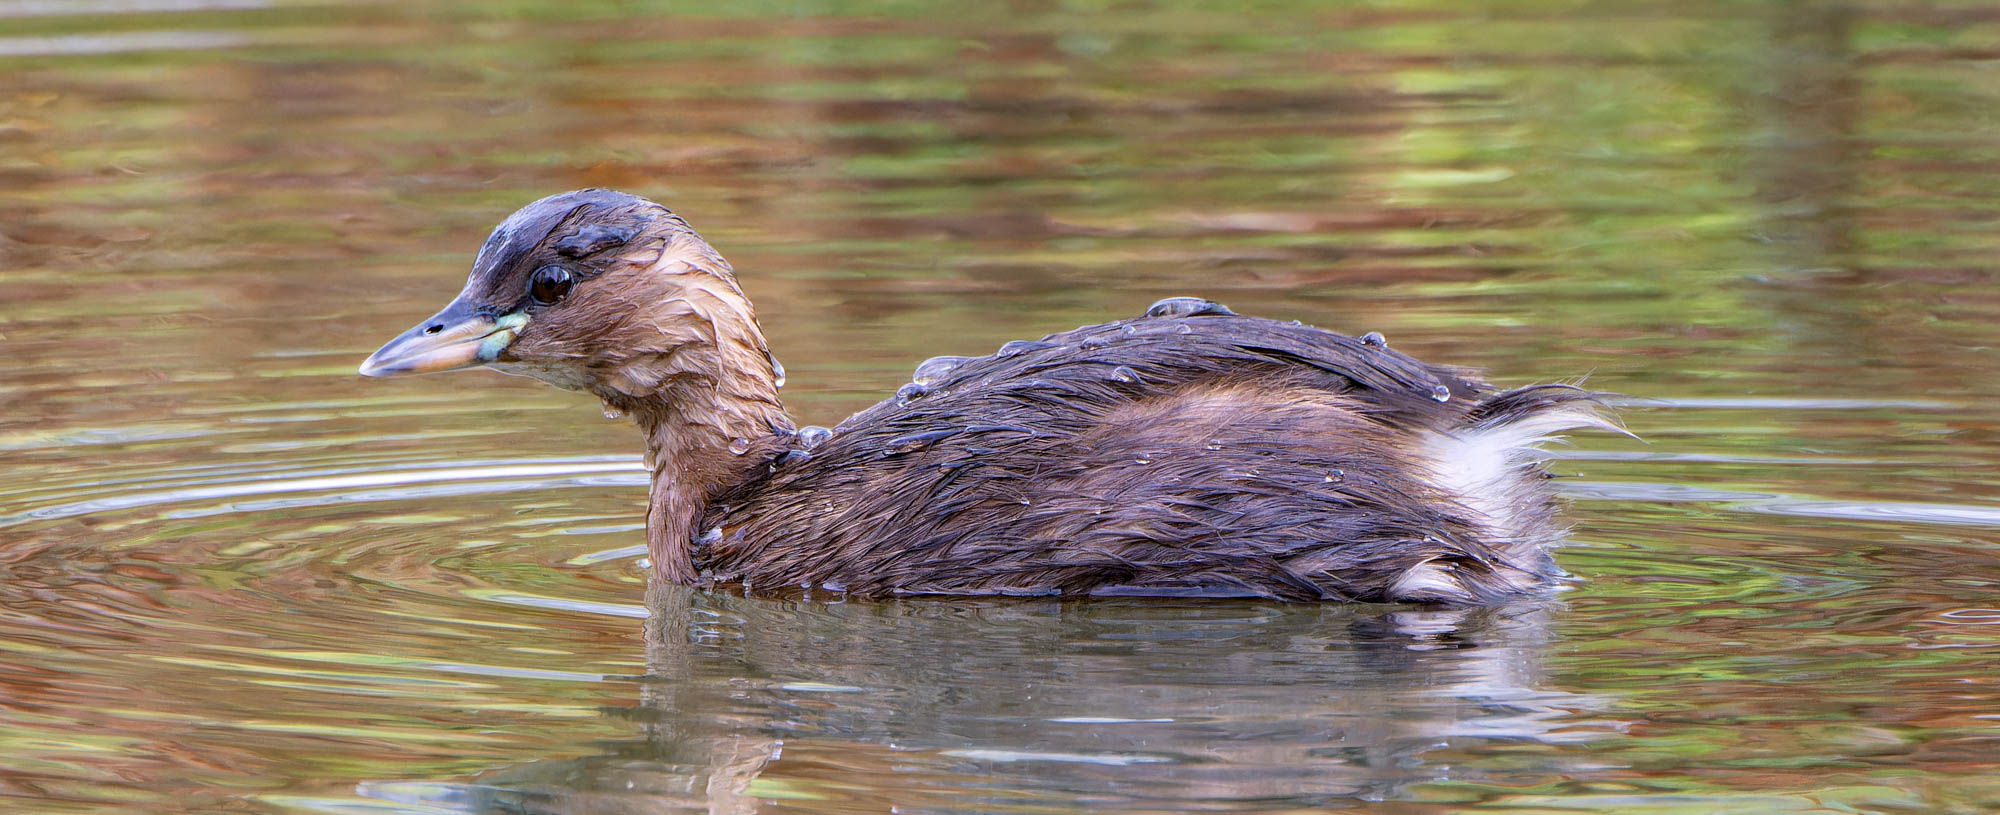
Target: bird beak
457	337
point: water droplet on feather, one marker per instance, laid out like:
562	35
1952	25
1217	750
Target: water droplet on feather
1185	307
1021	347
812	436
1441	393
1374	339
777	370
931	370
738	447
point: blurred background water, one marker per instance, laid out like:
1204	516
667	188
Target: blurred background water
235	577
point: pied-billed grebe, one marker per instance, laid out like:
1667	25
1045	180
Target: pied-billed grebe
1189	451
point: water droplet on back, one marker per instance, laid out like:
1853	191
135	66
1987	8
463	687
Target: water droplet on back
931	370
1022	347
1183	328
1441	393
911	392
739	446
1374	339
777	370
1124	374
812	436
1185	307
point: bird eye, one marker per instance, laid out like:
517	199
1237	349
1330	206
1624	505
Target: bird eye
550	284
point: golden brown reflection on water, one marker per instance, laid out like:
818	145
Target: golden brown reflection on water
237	578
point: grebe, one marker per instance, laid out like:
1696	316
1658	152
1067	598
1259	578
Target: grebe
1188	451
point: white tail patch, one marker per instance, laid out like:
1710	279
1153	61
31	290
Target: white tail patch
1487	469
1430	581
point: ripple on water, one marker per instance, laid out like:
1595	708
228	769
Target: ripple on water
1772	504
340	486
515	598
199	576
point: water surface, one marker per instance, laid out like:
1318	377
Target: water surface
237	577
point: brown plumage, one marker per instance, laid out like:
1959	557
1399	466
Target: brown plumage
1190	451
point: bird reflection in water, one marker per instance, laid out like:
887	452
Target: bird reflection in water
750	704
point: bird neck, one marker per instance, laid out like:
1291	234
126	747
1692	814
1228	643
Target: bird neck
693	371
698	445
711	414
